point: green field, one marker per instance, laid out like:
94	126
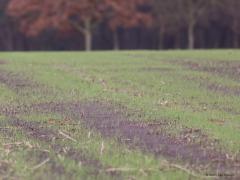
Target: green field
120	115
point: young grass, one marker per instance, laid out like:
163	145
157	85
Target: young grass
147	85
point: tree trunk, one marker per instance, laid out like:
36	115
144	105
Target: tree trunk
161	38
236	40
177	43
9	39
88	41
88	35
116	44
191	38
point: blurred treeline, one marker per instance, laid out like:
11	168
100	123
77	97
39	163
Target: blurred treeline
116	24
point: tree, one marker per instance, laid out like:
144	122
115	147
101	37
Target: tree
205	23
37	15
10	37
166	19
192	12
7	31
81	15
231	8
126	14
174	15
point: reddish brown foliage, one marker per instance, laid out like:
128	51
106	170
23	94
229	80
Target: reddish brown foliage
65	15
126	13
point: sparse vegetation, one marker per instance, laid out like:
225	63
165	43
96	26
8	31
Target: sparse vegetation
125	115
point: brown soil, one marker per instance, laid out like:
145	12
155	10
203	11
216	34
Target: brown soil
54	167
2	62
215	87
224	89
11	110
152	139
192	147
37	131
155	69
222	68
39	155
15	82
4	168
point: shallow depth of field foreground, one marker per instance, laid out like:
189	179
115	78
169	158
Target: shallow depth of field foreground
120	115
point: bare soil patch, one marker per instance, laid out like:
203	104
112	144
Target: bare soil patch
15	82
34	154
2	62
4	168
215	87
191	147
37	131
223	89
54	167
9	110
223	68
155	69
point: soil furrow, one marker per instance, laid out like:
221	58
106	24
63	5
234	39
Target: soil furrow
223	68
215	87
191	147
15	81
36	131
223	89
33	154
2	62
53	166
110	123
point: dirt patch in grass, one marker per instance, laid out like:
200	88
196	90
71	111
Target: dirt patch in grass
155	69
37	131
222	68
215	87
79	157
151	138
191	147
52	165
2	62
34	154
16	82
4	169
223	89
228	109
9	110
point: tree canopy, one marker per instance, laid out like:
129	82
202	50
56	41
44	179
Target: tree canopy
175	23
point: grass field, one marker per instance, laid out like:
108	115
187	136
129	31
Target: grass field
120	115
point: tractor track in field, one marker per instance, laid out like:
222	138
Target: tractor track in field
214	86
15	81
54	167
3	62
191	147
222	68
33	154
36	131
220	88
